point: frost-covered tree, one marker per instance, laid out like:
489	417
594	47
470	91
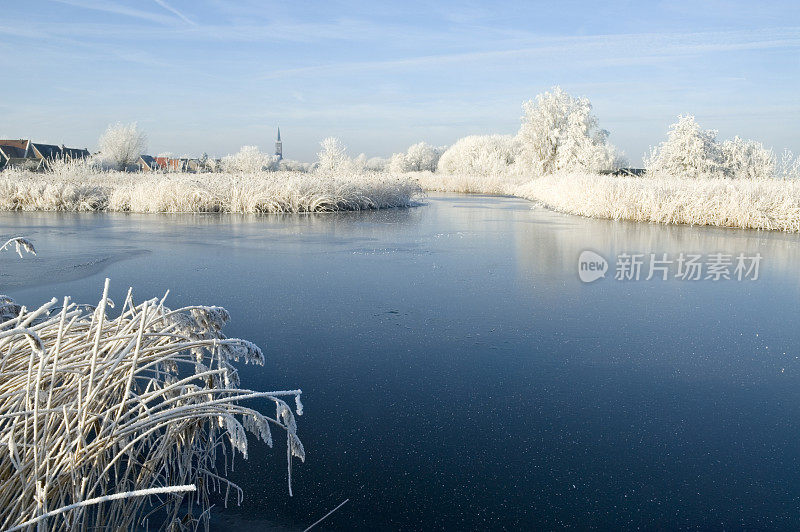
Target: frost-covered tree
249	159
359	164
788	166
420	157
689	151
559	133
396	163
290	165
747	159
485	155
692	152
202	162
377	164
333	156
121	145
213	165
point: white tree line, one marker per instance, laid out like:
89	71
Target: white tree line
558	134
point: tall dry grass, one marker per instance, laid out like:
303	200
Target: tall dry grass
498	184
82	189
771	204
115	423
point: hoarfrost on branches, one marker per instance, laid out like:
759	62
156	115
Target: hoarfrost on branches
333	156
249	159
420	157
692	152
121	146
559	133
483	155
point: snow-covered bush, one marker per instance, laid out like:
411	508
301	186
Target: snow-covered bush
289	165
747	159
788	166
69	168
559	133
120	146
480	155
689	151
212	165
692	152
377	164
420	157
206	163
359	164
249	159
396	163
333	156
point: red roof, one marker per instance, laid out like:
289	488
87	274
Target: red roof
17	143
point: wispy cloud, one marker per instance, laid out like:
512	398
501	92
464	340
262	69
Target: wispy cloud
175	12
116	9
645	48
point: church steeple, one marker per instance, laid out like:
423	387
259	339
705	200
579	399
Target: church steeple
279	146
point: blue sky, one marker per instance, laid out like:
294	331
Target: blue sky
212	75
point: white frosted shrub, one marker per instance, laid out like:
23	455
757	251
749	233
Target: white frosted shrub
121	146
692	152
482	155
420	157
65	168
377	164
289	165
688	152
359	164
559	133
249	159
333	156
788	166
747	159
396	163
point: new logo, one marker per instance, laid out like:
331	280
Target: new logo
591	266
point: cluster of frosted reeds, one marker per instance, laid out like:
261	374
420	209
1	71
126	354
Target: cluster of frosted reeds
84	189
126	422
772	204
498	184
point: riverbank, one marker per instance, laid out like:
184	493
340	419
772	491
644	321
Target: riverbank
768	204
263	192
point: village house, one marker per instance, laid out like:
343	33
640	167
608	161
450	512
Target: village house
35	156
24	154
147	163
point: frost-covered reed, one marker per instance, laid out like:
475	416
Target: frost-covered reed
771	204
82	189
115	423
498	184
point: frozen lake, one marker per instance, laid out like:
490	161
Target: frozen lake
458	374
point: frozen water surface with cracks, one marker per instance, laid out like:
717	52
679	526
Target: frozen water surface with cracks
458	374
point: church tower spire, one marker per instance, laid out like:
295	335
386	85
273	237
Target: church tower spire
279	145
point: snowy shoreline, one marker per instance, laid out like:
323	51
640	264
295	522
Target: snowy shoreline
241	193
768	204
